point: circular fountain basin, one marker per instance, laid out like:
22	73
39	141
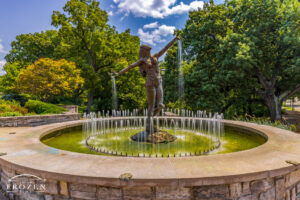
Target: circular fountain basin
188	143
161	177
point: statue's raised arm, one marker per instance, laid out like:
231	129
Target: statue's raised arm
161	52
129	67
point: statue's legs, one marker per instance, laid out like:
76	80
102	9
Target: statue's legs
151	92
159	98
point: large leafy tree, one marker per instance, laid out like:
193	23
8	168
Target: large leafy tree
267	41
47	78
28	48
96	47
25	50
243	52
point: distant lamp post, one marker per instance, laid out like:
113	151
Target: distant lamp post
163	71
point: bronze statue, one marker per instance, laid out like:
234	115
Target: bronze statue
148	66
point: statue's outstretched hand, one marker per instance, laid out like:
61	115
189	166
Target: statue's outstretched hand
113	73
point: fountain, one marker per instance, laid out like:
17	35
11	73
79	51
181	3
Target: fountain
127	133
114	93
180	74
193	135
151	132
149	68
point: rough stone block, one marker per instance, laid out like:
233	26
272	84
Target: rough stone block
235	190
287	195
48	197
138	193
246	188
248	197
8	172
279	188
83	195
31	196
270	194
293	193
83	187
59	197
11	196
210	192
298	188
109	193
292	178
52	187
261	185
172	193
64	188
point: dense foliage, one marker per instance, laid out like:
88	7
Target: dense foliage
98	49
85	38
46	78
11	108
15	97
39	107
244	55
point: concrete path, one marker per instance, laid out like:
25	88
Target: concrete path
7	130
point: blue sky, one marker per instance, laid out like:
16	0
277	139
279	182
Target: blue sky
152	20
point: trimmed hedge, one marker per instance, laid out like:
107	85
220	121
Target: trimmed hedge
43	108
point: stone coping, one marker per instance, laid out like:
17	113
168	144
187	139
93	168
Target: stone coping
26	154
37	120
37	116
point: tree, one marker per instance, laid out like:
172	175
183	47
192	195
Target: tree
97	48
243	52
8	80
25	50
28	48
46	78
267	40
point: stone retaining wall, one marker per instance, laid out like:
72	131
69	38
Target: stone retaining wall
37	120
286	187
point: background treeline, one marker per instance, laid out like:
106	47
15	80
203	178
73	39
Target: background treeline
240	58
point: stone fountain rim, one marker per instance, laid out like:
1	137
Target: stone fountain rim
27	154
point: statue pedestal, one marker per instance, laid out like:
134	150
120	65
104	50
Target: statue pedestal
157	137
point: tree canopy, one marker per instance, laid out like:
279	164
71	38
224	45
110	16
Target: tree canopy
46	78
242	52
98	49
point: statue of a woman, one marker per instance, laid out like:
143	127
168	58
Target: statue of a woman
148	65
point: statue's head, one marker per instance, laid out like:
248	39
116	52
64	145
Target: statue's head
145	51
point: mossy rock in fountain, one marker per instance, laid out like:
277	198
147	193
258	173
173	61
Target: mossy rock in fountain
157	137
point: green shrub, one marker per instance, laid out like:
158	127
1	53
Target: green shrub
10	114
15	97
293	128
43	108
10	108
264	121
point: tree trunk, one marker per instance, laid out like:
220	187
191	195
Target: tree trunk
274	104
90	101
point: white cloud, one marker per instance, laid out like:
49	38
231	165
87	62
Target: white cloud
156	36
156	8
2	48
2	63
151	25
110	13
